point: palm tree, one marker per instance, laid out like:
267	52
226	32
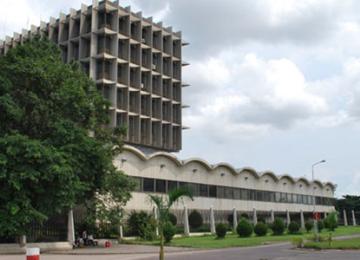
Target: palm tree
163	205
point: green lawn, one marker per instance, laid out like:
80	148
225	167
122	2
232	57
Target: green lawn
338	244
233	240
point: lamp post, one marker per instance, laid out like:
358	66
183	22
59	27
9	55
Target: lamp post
313	193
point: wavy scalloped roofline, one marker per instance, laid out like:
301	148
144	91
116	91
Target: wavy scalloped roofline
231	169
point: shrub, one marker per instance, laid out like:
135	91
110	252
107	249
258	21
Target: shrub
169	231
260	229
244	215
262	219
331	221
195	219
320	225
172	219
141	224
244	228
278	227
147	230
309	225
221	230
293	227
298	242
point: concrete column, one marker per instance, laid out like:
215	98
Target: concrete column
186	222
272	216
71	227
22	241
155	212
325	214
212	221
302	220
345	218
234	219
288	220
353	218
121	231
254	217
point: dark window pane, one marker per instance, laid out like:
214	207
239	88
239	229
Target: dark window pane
237	194
212	191
203	190
161	186
244	194
220	192
172	185
148	185
229	193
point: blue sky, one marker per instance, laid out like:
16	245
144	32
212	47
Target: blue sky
275	84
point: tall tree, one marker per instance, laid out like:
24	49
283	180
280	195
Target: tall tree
55	150
163	205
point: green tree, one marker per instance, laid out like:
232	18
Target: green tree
55	150
163	206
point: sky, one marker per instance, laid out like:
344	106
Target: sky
275	85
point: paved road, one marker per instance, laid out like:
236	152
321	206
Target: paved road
270	252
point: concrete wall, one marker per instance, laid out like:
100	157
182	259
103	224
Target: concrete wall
166	166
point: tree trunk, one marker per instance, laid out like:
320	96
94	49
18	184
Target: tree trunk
161	256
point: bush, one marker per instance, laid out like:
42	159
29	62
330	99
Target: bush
260	229
244	228
172	219
293	227
142	225
221	230
331	221
147	230
320	225
309	225
261	219
278	227
169	231
195	219
298	242
244	215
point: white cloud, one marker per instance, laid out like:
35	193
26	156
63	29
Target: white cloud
250	95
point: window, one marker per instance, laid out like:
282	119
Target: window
203	190
289	198
212	191
229	193
220	192
148	185
138	184
161	186
244	194
237	194
171	185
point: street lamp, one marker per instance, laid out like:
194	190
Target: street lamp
313	193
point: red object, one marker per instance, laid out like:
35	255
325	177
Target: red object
32	254
107	244
33	257
316	216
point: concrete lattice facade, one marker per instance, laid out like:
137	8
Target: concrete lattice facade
136	64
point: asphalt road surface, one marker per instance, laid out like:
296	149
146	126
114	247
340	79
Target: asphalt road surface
270	252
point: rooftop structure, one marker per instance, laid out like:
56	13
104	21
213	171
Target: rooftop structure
136	64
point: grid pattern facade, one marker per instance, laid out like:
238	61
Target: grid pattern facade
136	64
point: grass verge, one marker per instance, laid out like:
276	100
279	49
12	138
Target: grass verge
232	240
336	244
